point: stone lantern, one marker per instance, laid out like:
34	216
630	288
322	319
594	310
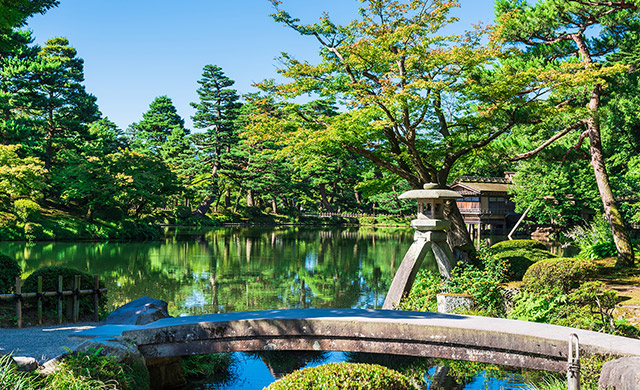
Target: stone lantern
430	235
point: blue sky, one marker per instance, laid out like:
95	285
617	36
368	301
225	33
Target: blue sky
135	50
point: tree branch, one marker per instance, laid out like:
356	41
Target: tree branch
548	142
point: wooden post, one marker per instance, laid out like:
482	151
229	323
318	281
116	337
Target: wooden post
19	301
60	299
96	286
76	301
39	300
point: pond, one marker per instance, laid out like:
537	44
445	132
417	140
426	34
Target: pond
199	271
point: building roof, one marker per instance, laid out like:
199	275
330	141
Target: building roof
479	188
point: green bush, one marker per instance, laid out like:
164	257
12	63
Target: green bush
481	284
423	293
33	231
9	271
339	376
50	283
536	307
27	210
519	244
80	370
559	273
518	260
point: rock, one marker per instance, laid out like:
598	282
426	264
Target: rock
621	374
51	366
25	363
123	350
451	303
138	312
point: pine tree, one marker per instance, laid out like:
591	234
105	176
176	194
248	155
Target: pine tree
216	113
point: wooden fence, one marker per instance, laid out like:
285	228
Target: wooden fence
348	215
60	294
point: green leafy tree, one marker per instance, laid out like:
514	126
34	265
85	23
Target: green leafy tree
161	131
19	176
14	13
416	101
216	113
572	39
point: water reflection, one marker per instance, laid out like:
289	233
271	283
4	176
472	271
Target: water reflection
237	269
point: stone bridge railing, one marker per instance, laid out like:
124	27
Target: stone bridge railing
479	339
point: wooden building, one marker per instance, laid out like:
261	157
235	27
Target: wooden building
486	205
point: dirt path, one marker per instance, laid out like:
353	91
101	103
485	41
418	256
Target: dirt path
41	342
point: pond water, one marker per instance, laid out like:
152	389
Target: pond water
200	271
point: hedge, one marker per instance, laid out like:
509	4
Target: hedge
560	273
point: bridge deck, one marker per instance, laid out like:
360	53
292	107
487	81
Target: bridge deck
482	339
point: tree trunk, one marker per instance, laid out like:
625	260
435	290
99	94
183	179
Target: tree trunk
274	206
227	198
204	206
250	201
457	235
323	198
621	238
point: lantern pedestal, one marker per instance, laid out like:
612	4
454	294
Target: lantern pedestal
430	235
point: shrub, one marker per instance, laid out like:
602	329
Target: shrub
27	210
561	273
480	284
50	283
535	307
9	271
519	244
423	293
346	376
519	260
595	240
83	370
33	231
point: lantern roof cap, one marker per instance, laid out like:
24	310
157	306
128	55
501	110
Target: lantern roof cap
431	191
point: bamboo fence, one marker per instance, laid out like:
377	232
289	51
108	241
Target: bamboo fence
60	294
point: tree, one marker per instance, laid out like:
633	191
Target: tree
14	13
19	177
57	99
159	131
415	101
574	37
216	113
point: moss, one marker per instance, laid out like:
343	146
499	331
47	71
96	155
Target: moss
559	273
339	376
520	259
519	244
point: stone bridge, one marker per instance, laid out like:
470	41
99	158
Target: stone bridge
480	339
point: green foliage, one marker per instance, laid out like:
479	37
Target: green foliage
519	244
33	231
345	376
423	293
95	368
594	240
12	379
19	176
481	284
50	283
558	273
519	260
216	366
601	303
27	210
538	307
9	271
